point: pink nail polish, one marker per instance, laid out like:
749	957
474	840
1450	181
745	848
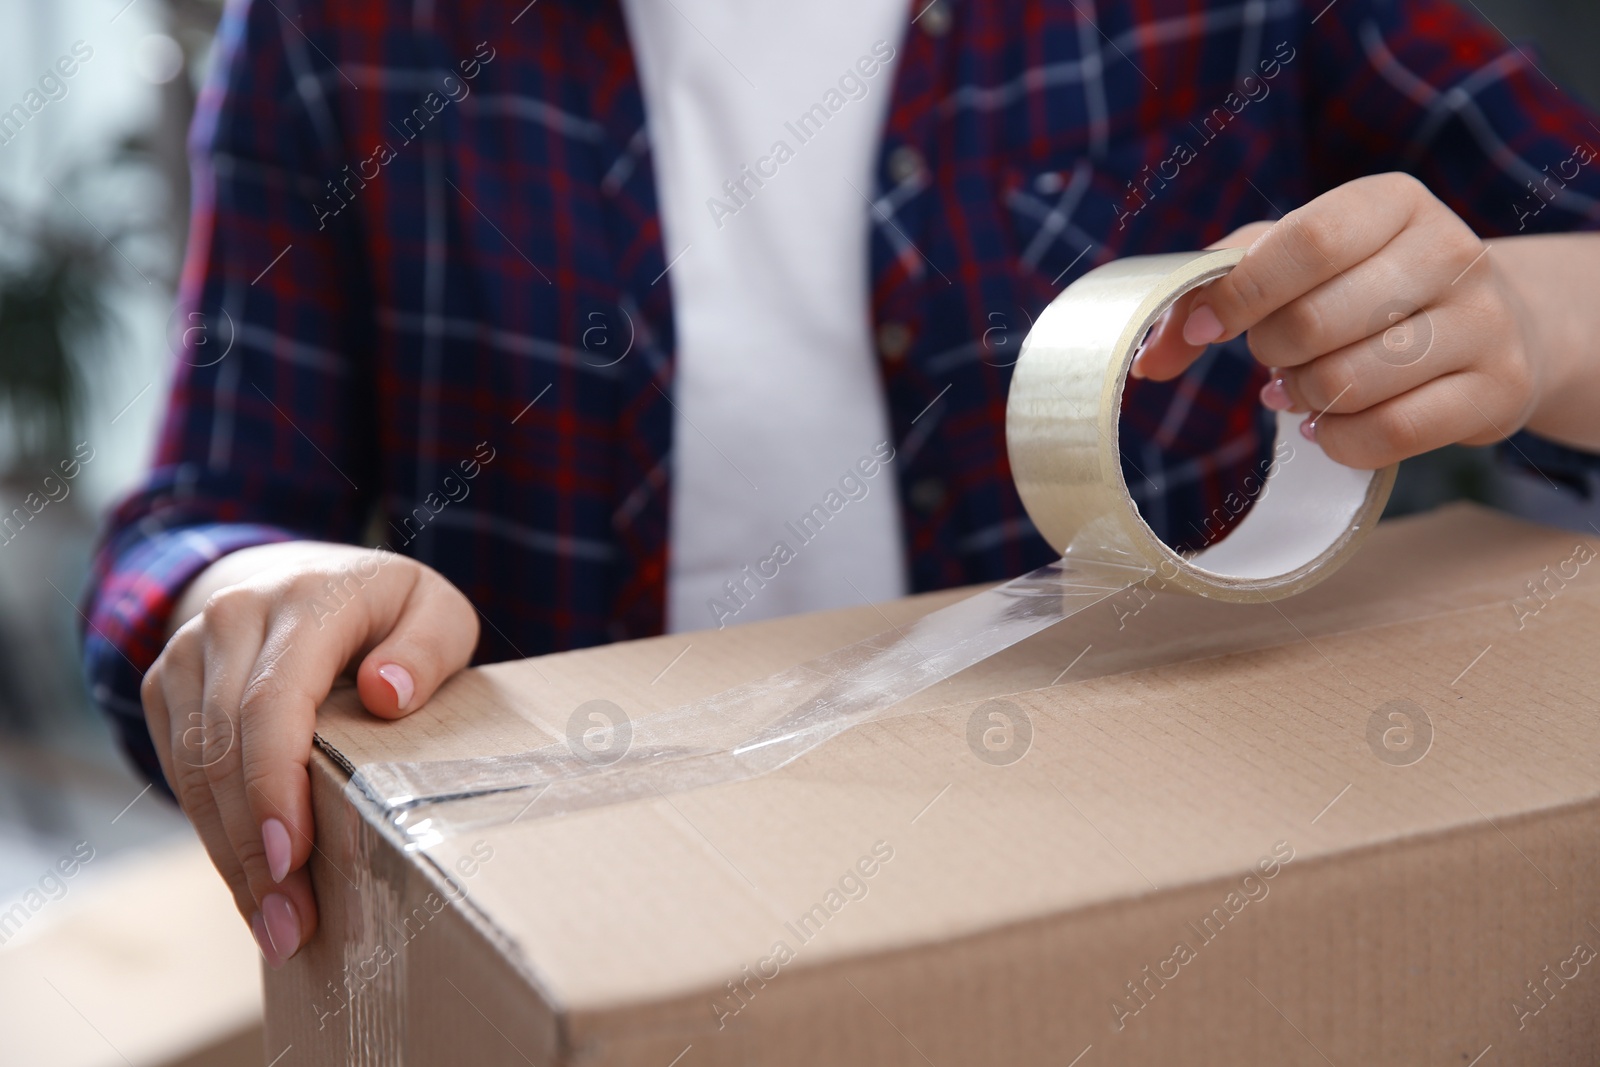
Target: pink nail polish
275	840
258	929
399	680
1308	429
1203	327
282	925
1275	396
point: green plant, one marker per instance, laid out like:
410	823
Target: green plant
57	277
52	308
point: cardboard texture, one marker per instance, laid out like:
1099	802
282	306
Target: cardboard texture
1358	826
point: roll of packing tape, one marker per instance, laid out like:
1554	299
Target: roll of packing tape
1062	418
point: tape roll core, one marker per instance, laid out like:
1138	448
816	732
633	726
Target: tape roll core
1307	514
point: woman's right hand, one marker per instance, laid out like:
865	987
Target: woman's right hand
256	642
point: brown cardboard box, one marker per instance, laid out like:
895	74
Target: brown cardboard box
143	963
1358	826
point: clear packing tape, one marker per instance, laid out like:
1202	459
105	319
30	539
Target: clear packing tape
1307	517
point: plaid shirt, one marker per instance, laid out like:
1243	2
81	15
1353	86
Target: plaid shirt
425	233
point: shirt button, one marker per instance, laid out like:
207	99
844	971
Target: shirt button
927	495
935	18
905	164
894	338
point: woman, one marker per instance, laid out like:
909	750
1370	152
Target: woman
460	300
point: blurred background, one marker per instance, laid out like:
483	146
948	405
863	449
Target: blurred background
94	199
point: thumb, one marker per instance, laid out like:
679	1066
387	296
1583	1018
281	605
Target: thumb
1166	354
432	637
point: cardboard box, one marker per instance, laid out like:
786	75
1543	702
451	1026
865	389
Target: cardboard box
1358	826
142	964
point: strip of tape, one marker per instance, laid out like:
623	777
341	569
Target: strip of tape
1062	431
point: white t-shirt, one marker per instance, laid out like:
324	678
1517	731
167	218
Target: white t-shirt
765	121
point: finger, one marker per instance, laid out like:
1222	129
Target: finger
1166	354
1462	407
1243	237
303	647
1354	378
432	638
174	681
413	620
207	823
267	801
1304	249
158	721
1368	300
235	638
179	675
275	737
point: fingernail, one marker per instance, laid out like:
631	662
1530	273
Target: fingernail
282	925
399	680
1137	369
275	839
258	928
1203	327
1308	429
1275	396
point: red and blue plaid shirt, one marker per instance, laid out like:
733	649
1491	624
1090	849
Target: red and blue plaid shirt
424	233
